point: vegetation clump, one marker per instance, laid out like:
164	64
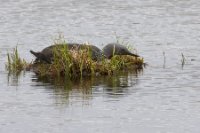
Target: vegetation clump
15	64
74	64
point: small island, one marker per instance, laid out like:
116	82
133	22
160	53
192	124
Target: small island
73	60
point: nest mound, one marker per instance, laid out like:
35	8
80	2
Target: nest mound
79	63
73	64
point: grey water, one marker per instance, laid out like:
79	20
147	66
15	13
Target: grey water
162	98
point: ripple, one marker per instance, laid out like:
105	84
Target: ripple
161	98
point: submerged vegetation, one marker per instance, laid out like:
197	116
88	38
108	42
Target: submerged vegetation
74	64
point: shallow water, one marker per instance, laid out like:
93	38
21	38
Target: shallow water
164	97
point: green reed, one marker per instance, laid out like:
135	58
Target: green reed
15	63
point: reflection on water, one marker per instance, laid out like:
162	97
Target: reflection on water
66	91
13	78
90	86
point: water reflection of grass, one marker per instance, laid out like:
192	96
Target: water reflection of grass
66	90
120	79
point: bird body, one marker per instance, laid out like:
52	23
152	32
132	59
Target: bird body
111	49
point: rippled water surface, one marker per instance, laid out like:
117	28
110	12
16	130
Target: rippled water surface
163	98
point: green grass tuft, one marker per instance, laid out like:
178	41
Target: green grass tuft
15	64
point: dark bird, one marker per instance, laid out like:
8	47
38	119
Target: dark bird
116	49
47	54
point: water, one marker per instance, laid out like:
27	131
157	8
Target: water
163	98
